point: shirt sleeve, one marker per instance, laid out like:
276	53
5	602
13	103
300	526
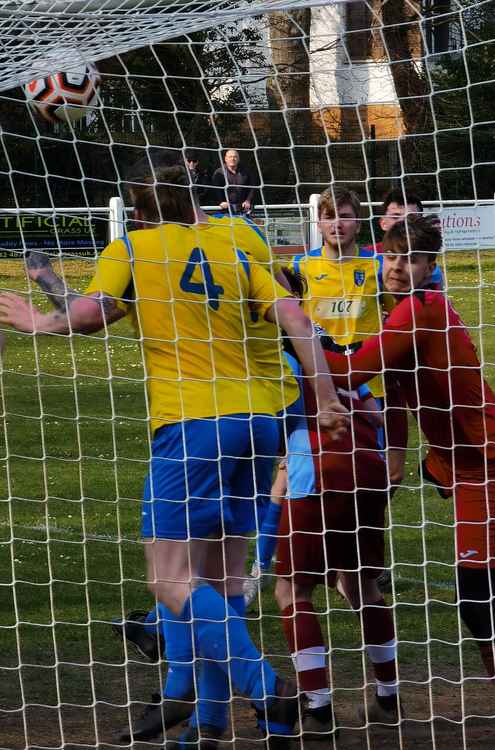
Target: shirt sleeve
260	249
113	275
395	416
403	331
264	290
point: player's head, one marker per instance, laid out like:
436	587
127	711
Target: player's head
410	249
339	211
232	158
153	168
155	158
164	197
397	205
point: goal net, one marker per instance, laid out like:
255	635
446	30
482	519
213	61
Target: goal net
365	96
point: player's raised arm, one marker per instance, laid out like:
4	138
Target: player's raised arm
74	313
85	314
331	413
40	270
410	249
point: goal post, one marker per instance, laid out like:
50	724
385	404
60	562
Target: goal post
370	96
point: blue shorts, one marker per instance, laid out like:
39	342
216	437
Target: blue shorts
207	476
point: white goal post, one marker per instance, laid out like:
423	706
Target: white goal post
293	228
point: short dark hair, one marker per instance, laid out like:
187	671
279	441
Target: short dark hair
165	196
153	166
154	159
333	197
191	155
415	234
402	198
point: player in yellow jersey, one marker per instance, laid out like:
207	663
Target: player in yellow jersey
192	294
247	233
344	296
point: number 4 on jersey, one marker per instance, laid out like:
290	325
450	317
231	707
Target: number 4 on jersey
209	289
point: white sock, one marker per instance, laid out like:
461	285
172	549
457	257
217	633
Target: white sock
382	653
386	689
319	698
314	657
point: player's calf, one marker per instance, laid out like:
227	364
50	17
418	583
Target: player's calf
476	589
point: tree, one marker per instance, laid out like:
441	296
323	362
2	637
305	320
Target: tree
463	103
178	94
403	40
288	88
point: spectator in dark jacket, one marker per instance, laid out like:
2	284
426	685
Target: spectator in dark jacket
199	177
235	185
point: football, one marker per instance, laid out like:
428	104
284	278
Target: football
66	96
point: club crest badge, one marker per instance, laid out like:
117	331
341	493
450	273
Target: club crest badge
359	278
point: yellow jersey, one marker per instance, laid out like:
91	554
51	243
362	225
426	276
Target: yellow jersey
277	376
194	294
343	297
248	236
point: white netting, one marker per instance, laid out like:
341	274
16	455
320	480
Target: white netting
371	95
31	32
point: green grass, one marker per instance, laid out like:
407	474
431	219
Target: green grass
73	457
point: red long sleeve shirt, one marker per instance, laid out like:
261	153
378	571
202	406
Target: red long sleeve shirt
426	345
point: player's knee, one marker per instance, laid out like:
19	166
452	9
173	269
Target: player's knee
284	593
287	592
348	586
396	473
476	601
396	466
396	477
173	595
359	593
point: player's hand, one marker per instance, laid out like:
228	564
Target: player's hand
17	312
334	419
224	204
246	205
37	263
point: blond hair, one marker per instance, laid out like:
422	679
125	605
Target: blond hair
333	198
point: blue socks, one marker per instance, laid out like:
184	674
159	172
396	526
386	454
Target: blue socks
179	652
268	536
250	673
213	685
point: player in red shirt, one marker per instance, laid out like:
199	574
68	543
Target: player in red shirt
426	348
396	205
332	532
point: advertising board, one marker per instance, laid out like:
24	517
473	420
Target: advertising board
74	234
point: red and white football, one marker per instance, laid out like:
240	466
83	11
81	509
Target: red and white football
65	96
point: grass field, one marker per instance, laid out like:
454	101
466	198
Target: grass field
73	458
